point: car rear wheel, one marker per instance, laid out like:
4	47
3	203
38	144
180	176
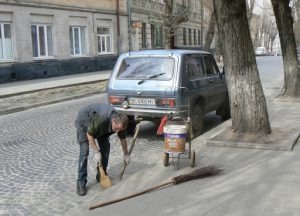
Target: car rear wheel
197	120
226	110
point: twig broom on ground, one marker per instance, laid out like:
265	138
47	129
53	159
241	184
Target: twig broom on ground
198	173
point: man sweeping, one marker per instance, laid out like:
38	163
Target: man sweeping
98	122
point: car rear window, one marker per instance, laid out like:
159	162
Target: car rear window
145	67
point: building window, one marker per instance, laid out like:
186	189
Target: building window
199	38
6	51
190	36
184	36
104	40
144	36
156	36
42	45
195	38
77	40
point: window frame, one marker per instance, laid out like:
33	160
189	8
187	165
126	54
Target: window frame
37	25
144	35
100	38
4	49
184	37
195	38
81	43
190	36
200	73
213	66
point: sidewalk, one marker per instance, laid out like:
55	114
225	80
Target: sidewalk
23	95
255	182
29	86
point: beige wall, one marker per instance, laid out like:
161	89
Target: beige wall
106	5
21	17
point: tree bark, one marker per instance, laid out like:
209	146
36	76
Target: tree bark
218	48
250	9
210	32
284	21
247	101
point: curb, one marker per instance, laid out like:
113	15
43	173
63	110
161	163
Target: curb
50	88
19	109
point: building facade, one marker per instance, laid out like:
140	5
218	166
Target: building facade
43	38
148	34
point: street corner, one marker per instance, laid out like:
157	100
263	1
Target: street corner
281	139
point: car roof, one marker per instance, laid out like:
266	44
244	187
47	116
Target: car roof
166	52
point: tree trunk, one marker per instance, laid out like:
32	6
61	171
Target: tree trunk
218	48
210	32
250	9
247	101
284	21
167	23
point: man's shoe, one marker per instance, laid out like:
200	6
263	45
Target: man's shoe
81	190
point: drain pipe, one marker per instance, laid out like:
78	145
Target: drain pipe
118	26
129	24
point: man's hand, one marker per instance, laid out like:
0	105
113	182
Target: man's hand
97	157
127	159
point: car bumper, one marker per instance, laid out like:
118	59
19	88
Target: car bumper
143	113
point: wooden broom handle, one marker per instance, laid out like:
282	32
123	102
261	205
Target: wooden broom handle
137	129
130	196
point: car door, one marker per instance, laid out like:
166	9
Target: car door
217	83
195	81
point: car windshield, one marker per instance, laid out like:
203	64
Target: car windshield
260	49
140	68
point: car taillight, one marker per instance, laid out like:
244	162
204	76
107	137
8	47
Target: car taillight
116	100
166	102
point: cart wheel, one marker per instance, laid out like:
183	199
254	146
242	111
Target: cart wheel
193	158
166	159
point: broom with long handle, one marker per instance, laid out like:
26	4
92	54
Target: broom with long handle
137	129
198	173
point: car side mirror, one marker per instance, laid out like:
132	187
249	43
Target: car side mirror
222	72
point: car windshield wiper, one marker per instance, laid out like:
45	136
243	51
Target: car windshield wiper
151	77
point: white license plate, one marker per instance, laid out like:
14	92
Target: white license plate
148	101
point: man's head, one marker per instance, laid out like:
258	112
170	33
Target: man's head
119	122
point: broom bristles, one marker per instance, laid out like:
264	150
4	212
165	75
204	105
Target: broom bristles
198	173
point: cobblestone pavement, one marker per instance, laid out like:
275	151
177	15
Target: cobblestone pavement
39	156
39	160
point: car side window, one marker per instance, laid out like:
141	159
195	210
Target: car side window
210	69
194	66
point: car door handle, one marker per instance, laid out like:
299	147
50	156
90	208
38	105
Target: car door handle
211	80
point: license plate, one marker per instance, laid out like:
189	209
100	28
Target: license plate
148	101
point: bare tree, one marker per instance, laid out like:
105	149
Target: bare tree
272	34
170	15
250	7
284	22
210	32
296	14
247	101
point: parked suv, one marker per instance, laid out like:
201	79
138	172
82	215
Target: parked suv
152	83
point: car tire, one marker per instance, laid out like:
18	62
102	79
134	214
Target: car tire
131	126
197	120
226	109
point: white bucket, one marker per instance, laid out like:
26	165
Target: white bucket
175	136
